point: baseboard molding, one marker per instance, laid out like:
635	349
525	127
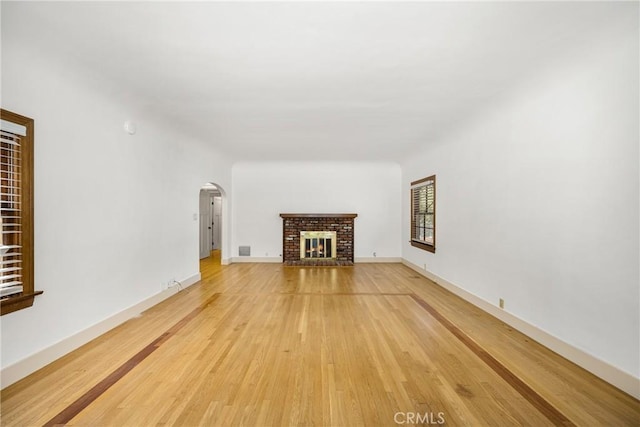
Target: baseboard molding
253	259
379	259
614	376
40	359
225	261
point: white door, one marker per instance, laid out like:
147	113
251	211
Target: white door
216	225
205	224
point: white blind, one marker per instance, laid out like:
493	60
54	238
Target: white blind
10	210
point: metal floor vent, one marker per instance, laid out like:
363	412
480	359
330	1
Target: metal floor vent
244	250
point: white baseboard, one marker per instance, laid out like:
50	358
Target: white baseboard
40	359
250	259
225	261
377	260
618	378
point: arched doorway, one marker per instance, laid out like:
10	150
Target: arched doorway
211	221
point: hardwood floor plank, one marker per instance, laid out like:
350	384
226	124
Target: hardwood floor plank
86	399
550	411
266	345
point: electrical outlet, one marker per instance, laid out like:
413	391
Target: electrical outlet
173	283
425	266
501	303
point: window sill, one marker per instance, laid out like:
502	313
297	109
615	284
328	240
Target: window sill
10	305
424	246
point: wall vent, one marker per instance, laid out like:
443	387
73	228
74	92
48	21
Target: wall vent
244	250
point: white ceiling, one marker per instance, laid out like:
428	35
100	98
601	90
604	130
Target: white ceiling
262	80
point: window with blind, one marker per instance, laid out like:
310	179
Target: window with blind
423	213
16	212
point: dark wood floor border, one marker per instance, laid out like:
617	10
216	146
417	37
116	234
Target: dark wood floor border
320	294
85	400
343	294
539	402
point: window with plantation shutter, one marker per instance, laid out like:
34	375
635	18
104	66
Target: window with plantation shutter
16	212
423	213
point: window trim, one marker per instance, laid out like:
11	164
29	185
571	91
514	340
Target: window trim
26	298
415	242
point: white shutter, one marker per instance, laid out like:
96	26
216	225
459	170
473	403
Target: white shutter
13	128
10	209
423	213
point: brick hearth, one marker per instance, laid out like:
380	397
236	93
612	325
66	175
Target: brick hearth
293	224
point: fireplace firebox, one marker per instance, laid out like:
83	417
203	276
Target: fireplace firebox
317	244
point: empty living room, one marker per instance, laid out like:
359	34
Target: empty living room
320	213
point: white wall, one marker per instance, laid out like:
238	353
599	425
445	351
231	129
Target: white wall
264	190
537	202
113	212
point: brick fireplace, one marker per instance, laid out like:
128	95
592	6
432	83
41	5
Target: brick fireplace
298	227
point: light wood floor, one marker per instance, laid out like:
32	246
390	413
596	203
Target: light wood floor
264	344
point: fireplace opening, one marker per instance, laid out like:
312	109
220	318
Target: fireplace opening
318	244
